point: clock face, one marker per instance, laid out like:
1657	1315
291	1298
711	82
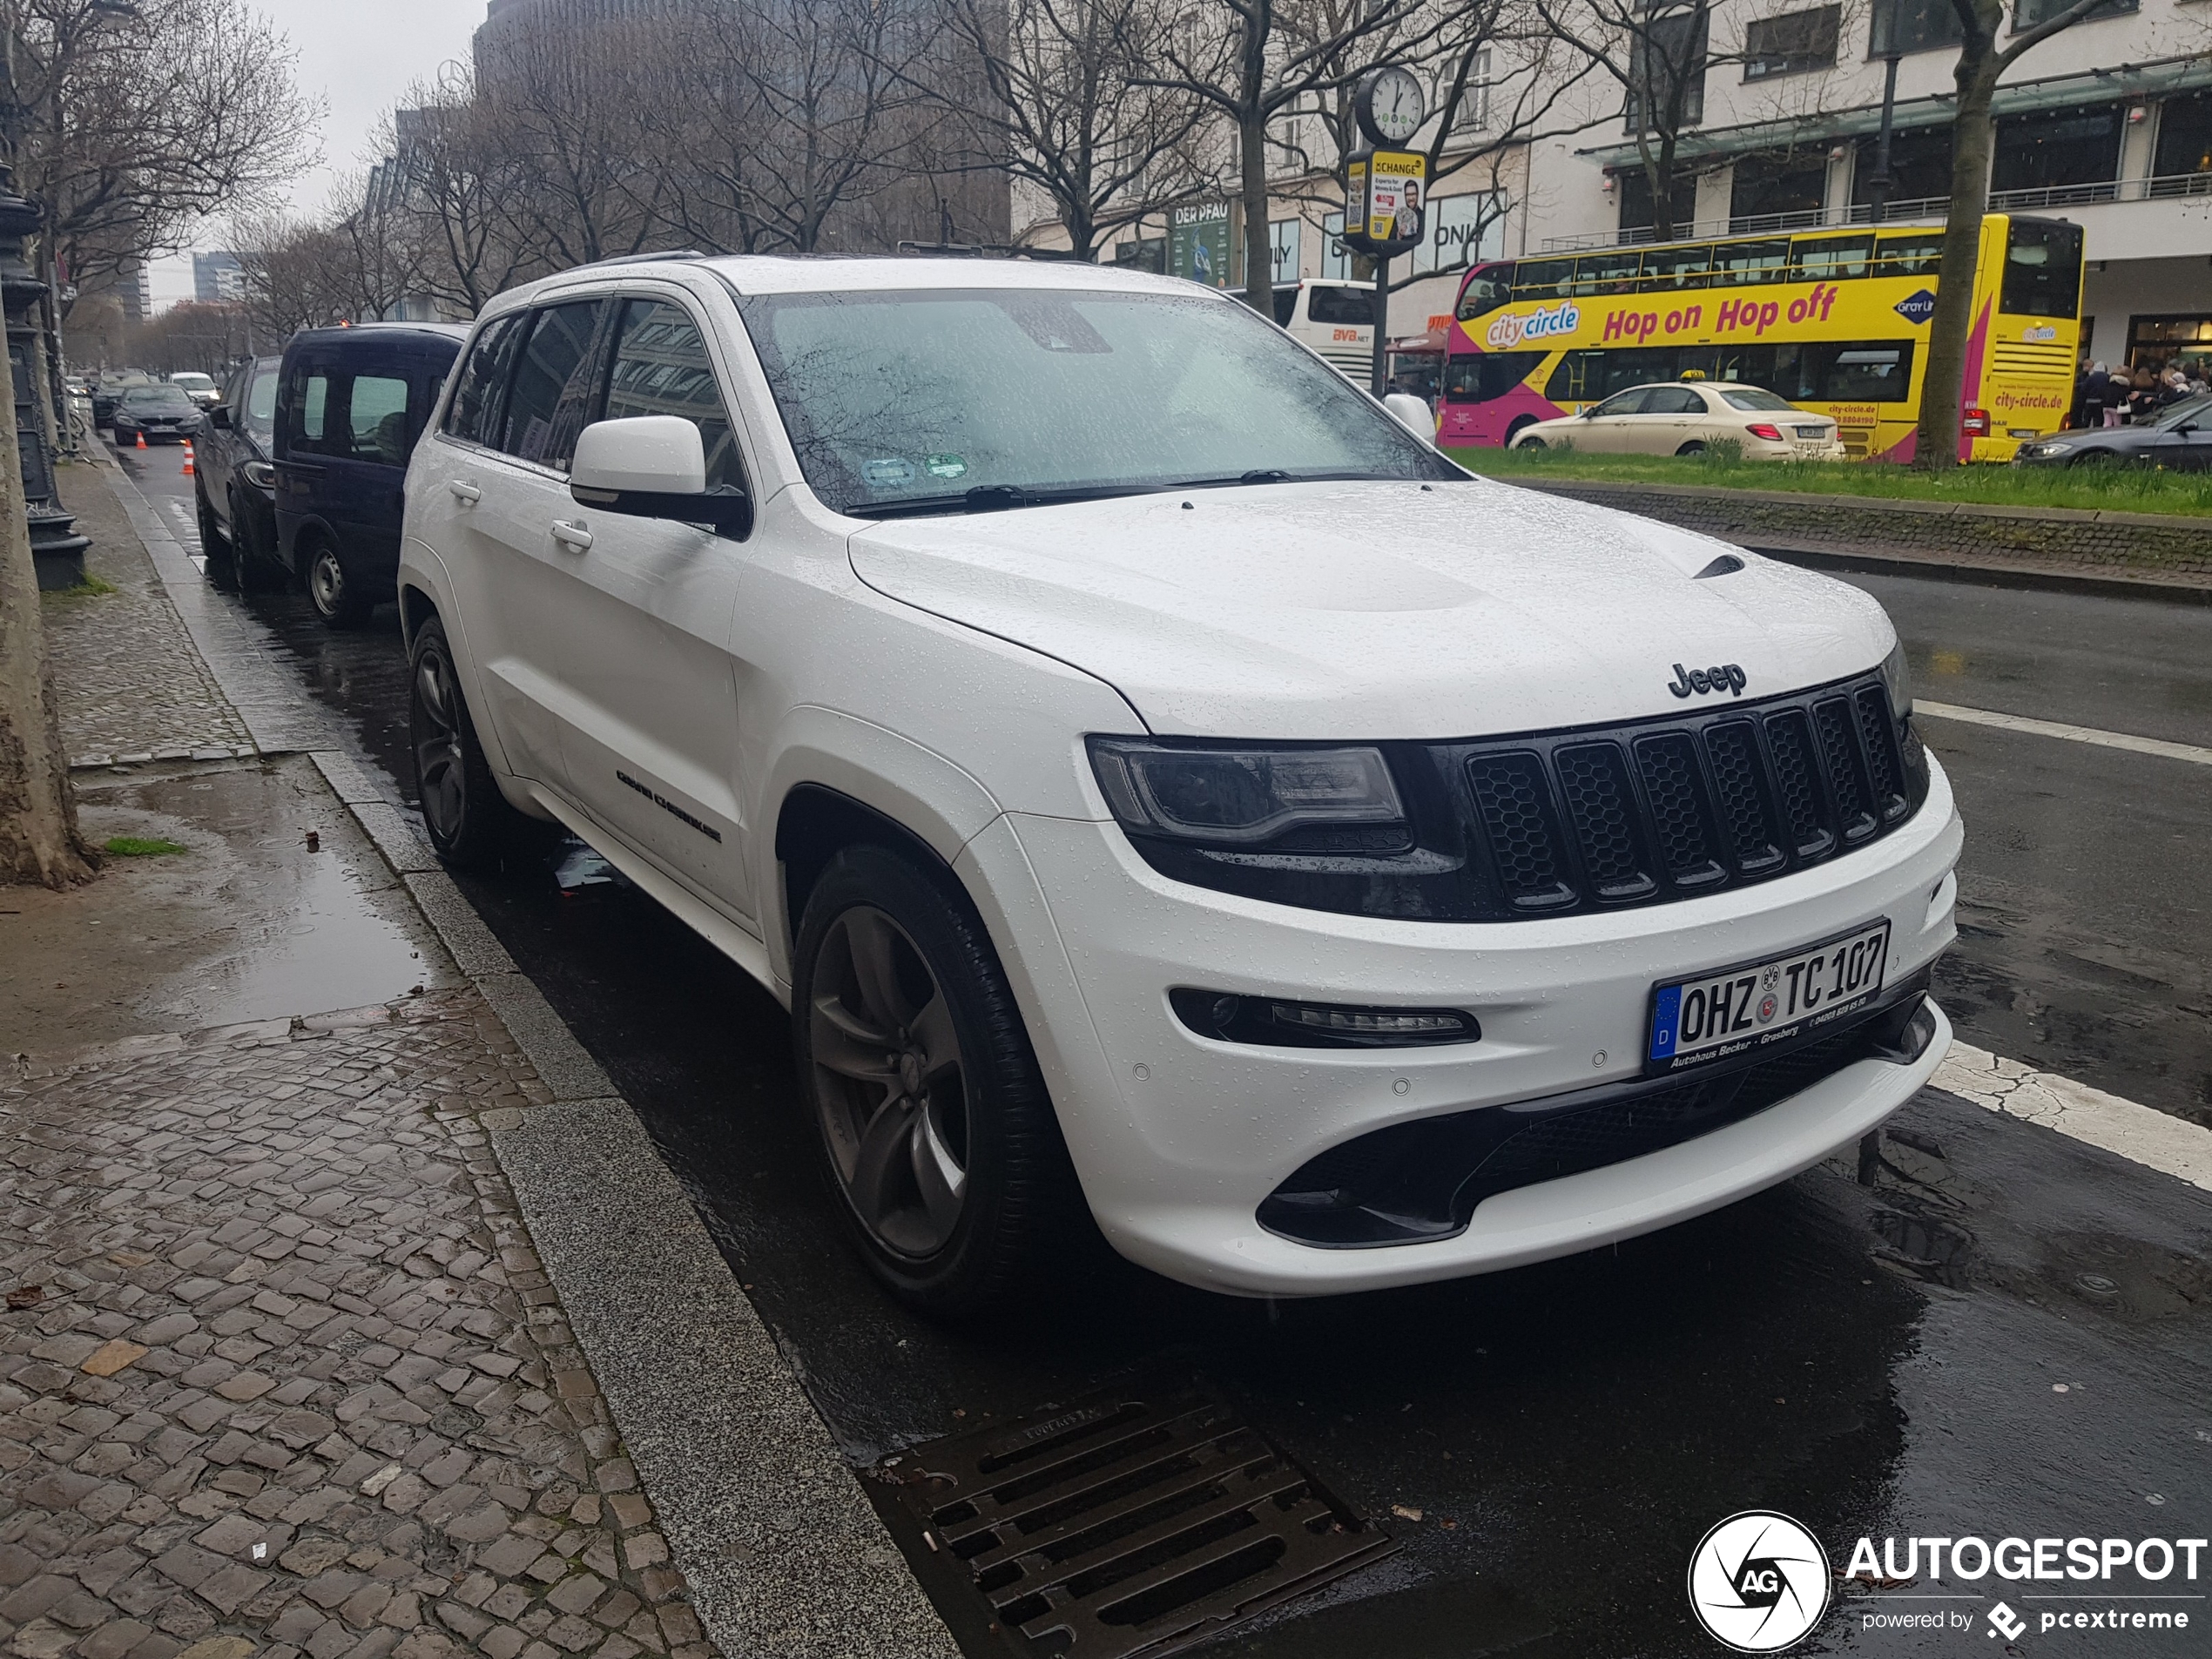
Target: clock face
1395	101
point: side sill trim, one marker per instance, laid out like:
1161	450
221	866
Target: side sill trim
738	944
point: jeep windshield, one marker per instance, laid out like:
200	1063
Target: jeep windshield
977	399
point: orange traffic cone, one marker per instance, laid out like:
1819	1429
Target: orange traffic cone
188	471
142	440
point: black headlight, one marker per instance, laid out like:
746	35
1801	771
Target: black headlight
1243	796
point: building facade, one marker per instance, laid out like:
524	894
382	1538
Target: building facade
217	279
2108	123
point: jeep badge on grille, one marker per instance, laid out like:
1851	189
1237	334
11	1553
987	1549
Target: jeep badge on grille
1727	677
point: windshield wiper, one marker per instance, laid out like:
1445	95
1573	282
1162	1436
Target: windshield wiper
994	498
1272	475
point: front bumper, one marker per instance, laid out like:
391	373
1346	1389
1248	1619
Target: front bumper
1179	1138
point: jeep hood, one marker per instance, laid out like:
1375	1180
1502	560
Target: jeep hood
1374	610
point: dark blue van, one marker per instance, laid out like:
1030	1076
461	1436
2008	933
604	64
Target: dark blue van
350	405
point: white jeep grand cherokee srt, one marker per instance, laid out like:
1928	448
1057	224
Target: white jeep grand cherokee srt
1159	784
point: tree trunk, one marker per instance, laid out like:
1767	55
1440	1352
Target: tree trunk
1942	387
1259	261
39	840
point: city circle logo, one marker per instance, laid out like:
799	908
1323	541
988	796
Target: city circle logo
1759	1581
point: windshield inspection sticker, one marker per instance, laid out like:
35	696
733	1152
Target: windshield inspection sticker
944	466
888	472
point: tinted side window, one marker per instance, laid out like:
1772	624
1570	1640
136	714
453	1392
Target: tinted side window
1672	400
261	403
661	367
376	420
473	413
1335	305
1624	403
307	417
1478	380
550	398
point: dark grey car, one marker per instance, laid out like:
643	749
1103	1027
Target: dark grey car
235	485
2178	438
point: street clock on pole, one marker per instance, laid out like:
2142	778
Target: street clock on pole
1388	107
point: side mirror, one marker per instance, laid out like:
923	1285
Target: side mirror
1586	411
1412	412
654	466
219	417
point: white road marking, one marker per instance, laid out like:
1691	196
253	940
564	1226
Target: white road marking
2156	1139
2189	751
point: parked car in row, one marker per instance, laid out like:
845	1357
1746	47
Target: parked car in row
108	390
350	403
2179	438
200	388
159	414
1163	789
235	489
1688	418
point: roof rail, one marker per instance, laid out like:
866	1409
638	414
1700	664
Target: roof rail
643	258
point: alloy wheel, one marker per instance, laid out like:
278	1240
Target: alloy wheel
440	776
889	1085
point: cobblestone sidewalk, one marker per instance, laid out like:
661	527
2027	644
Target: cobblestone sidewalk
133	688
280	1371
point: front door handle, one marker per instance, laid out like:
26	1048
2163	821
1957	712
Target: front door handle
571	532
468	495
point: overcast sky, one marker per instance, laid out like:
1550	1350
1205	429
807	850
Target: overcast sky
358	56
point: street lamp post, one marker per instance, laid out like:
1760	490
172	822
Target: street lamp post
1881	183
56	547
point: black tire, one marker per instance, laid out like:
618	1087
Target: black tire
215	548
1694	447
921	1114
470	824
1530	443
337	598
258	568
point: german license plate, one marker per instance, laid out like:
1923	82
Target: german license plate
1761	1005
1813	431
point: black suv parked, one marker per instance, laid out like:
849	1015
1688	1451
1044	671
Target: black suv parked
350	404
235	483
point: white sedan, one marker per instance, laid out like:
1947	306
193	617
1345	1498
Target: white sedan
1687	418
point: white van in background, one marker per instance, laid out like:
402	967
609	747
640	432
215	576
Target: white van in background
1336	319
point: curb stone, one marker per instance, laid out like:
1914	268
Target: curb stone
781	1549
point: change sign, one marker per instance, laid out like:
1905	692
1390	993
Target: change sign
1387	191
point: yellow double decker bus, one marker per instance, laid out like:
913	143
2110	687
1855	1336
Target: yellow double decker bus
1835	321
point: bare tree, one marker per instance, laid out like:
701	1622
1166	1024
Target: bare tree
455	182
567	106
835	83
1972	143
1067	104
298	274
1658	51
138	123
39	838
1250	61
192	335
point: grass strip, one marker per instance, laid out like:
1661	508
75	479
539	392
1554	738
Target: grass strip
2095	489
139	847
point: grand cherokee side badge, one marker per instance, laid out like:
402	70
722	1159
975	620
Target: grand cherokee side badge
1727	677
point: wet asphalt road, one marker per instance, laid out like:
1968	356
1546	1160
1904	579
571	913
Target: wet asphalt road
1880	1361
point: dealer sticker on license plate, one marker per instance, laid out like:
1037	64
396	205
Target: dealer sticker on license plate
1757	1005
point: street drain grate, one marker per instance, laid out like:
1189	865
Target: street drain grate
1123	1525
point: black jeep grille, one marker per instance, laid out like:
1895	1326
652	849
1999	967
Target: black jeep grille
1673	808
1550	823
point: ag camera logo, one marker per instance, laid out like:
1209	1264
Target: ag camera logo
1759	1581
